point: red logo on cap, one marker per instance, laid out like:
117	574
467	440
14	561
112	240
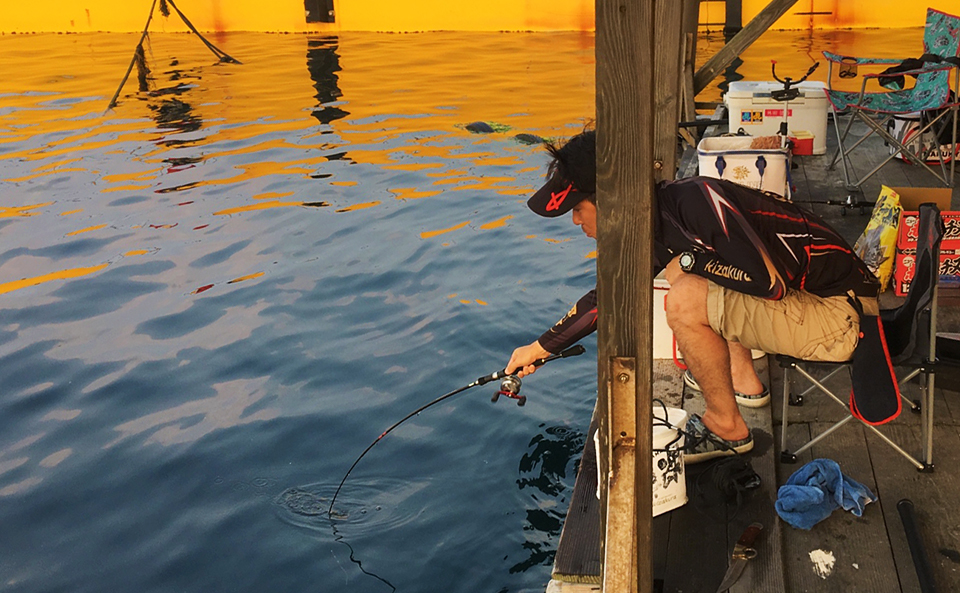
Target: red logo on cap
557	198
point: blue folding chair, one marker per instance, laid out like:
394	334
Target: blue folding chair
930	97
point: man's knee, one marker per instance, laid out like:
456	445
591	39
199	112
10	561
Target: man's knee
686	302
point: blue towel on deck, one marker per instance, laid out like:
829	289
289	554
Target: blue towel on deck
815	490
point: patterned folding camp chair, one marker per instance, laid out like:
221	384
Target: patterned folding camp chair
930	97
910	333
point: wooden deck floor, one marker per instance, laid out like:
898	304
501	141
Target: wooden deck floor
693	543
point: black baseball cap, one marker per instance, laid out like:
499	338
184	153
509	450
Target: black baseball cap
557	197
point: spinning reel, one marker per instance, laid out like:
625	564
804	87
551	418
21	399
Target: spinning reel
510	387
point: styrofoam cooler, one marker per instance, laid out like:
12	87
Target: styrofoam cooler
750	106
731	158
669	482
663	346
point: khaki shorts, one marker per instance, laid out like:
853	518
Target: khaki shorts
801	324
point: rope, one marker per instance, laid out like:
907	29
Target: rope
222	55
113	101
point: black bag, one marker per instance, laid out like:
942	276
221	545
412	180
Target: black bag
875	395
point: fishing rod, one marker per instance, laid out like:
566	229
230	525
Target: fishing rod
510	387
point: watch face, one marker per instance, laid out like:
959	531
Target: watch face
686	261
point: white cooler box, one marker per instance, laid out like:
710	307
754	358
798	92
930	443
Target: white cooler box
750	106
731	158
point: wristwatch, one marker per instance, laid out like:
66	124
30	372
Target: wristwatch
686	261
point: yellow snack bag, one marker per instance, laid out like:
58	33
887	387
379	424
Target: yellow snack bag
878	243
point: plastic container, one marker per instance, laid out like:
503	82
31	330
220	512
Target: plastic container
669	481
802	142
751	107
663	343
731	158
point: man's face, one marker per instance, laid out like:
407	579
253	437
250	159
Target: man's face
585	217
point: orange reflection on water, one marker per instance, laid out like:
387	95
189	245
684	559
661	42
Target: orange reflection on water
108	190
61	275
87	230
147	175
21	211
431	234
272	195
496	223
244	278
359	206
412	167
412	193
50	166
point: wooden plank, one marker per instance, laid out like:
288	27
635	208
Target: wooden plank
765	572
693	533
936	497
563	587
709	533
863	558
741	41
578	558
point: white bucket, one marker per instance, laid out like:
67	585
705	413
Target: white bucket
669	481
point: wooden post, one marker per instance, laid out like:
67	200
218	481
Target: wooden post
733	21
638	74
741	41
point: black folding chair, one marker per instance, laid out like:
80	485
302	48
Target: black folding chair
910	331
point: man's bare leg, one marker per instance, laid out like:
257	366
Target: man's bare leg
745	379
707	354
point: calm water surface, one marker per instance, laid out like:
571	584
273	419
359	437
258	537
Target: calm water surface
216	295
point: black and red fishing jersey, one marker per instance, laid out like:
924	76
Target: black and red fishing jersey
743	239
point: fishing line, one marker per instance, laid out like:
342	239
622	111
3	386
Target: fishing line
337	536
510	390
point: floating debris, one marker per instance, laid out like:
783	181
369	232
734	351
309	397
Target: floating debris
529	139
479	127
482	127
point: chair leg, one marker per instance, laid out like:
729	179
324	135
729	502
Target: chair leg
785	455
953	147
914	404
840	138
926	428
920	159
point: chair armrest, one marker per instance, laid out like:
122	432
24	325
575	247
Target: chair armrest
909	72
837	58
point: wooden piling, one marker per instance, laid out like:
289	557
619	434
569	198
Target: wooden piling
638	73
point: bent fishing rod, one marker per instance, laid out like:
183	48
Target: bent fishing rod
510	387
